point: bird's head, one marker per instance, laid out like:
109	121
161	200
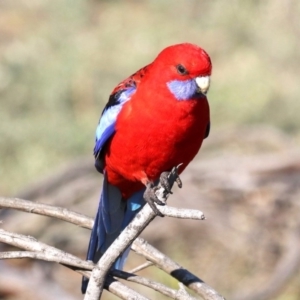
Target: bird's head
186	70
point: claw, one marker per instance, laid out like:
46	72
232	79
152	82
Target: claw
164	182
167	179
179	182
151	198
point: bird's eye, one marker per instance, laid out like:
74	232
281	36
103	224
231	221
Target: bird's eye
181	70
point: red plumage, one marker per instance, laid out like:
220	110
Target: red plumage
154	120
155	131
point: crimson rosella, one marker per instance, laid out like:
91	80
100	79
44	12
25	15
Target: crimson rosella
154	120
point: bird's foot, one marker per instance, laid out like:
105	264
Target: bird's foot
151	198
167	179
166	182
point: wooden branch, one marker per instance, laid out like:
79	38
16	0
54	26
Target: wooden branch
175	270
41	250
175	294
181	213
121	290
252	174
47	210
45	252
83	221
59	256
127	236
124	240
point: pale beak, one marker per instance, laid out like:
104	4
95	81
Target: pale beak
203	83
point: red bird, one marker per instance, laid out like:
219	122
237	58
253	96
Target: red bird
154	120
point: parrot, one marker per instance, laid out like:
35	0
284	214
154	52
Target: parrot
154	120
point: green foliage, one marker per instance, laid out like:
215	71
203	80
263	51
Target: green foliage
61	59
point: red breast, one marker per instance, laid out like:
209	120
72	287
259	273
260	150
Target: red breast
154	134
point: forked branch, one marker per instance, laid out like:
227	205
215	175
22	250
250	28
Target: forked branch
99	278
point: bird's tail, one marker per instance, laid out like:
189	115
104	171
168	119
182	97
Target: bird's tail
113	215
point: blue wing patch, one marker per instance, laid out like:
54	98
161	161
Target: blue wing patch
106	125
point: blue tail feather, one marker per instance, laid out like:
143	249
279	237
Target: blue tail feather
113	215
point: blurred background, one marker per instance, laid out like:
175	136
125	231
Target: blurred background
59	61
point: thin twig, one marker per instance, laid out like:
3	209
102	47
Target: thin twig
141	267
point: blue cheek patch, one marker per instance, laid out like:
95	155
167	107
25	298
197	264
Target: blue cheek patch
183	89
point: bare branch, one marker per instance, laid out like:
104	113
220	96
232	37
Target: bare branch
124	240
47	210
175	270
175	294
69	262
182	292
181	213
131	232
44	256
42	250
122	291
82	220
